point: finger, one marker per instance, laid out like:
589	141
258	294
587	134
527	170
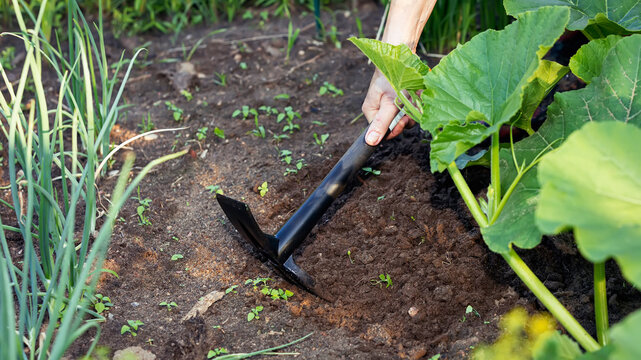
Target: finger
382	120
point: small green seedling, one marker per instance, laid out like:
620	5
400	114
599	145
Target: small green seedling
319	123
349	255
320	140
201	134
278	138
328	88
217	352
101	303
175	257
262	189
257	281
380	198
187	95
169	305
243	65
219	132
291	39
215	188
231	289
276	293
299	165
369	170
253	313
435	357
177	112
383	279
221	79
6	57
285	156
150	341
268	110
289	115
143	206
146	125
247	15
245	111
131	328
175	238
282	97
470	310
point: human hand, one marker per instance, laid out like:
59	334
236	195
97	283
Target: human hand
379	109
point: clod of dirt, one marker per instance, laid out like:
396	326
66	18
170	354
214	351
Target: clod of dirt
412	311
203	304
134	353
182	76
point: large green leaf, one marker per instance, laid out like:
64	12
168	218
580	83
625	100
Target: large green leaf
612	96
588	61
598	18
402	68
624	338
486	77
592	183
543	80
555	346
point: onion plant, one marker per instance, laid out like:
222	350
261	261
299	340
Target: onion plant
47	295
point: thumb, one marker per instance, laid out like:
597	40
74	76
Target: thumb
381	122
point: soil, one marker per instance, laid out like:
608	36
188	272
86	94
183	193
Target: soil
405	222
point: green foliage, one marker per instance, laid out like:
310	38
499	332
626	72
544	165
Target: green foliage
168	304
292	35
201	133
176	112
262	189
276	294
219	132
383	279
101	303
221	79
217	352
328	88
591	184
6	57
176	257
146	124
131	327
216	189
186	94
597	18
231	289
143	206
320	140
368	170
253	313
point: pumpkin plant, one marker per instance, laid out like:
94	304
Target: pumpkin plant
542	184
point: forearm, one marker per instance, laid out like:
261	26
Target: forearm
406	20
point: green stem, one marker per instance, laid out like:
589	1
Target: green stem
600	303
467	195
495	175
550	301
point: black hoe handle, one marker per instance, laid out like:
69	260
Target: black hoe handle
296	229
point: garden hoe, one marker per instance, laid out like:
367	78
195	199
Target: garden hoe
278	249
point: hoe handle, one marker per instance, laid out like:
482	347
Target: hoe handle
296	229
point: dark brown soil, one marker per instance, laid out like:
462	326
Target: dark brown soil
406	222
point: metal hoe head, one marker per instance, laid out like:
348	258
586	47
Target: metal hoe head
266	245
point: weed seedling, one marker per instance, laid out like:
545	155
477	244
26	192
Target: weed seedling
221	79
101	303
320	140
291	39
369	170
175	257
276	293
285	156
278	138
187	95
177	112
328	88
175	238
6	57
349	255
262	189
283	96
215	188
319	123
169	305
131	328
231	289
255	282
217	352
245	111
143	206
146	125
289	115
383	279
150	341
201	134
380	198
470	310
243	65
253	313
219	132
268	110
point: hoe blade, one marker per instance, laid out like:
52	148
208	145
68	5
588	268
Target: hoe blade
241	217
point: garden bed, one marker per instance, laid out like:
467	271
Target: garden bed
405	222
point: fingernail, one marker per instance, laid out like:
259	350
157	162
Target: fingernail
372	137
